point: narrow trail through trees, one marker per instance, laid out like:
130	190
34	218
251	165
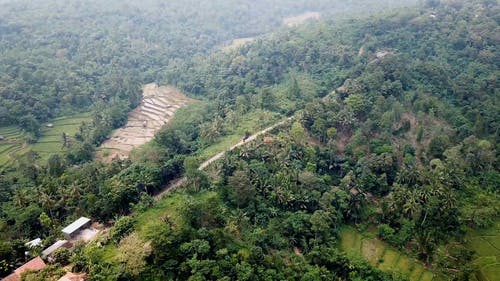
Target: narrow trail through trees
173	185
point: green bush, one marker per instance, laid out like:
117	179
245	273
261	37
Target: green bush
385	232
122	227
61	256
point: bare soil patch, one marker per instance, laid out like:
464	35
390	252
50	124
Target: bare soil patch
300	19
238	43
158	105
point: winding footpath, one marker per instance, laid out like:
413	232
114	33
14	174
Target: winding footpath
173	185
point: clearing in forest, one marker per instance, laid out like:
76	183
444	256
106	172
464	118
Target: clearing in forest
383	256
300	19
157	108
238	43
290	22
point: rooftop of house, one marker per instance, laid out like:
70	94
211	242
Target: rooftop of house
76	225
53	247
33	243
34	264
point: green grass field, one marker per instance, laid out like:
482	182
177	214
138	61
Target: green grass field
147	221
485	243
50	142
251	122
382	255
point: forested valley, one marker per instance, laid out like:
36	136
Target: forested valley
393	135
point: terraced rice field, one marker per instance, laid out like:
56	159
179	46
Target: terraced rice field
486	244
383	256
157	108
12	143
50	142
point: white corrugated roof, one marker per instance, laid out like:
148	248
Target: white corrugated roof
53	247
33	243
76	225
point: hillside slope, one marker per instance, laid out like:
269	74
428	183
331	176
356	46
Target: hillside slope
387	138
395	132
158	106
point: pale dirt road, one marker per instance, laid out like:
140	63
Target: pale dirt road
173	185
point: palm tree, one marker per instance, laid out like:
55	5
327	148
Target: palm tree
413	204
21	197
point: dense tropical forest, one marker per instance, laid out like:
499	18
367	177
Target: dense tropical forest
393	135
61	57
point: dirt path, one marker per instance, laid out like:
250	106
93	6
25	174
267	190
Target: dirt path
181	181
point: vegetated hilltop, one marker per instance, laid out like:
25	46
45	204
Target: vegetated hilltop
398	135
62	57
58	58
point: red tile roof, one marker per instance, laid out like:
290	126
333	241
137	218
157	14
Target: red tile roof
12	277
34	264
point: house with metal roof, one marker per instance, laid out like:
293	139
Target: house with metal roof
74	228
33	243
59	244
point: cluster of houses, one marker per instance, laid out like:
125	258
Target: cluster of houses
79	230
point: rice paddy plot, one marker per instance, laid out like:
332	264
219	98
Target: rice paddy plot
404	265
389	260
494	241
348	241
156	109
12	139
47	147
417	272
381	255
5	147
482	247
372	250
485	243
426	276
4	153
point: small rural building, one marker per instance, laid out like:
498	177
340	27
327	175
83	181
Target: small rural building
34	264
59	244
33	243
2	137
73	229
50	125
